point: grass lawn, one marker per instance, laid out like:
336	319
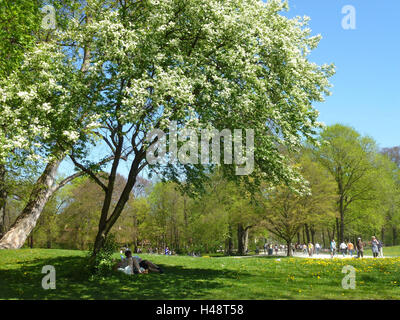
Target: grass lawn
389	251
198	278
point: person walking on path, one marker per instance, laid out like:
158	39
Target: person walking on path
333	248
380	248
343	248
310	249
317	247
360	248
350	248
374	246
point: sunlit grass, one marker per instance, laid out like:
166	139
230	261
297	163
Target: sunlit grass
198	278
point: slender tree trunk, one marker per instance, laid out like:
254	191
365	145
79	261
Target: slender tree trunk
229	240
135	234
312	231
3	199
26	221
298	237
338	230
289	248
323	238
246	239
307	231
30	240
240	237
340	226
394	229
383	234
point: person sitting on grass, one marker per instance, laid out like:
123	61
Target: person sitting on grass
135	265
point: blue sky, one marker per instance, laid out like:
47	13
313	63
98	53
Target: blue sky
366	92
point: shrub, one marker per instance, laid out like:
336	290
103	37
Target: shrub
102	264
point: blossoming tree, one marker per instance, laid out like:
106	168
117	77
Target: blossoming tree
236	64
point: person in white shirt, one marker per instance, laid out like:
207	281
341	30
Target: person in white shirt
317	248
343	248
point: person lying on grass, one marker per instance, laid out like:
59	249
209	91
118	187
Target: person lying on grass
135	265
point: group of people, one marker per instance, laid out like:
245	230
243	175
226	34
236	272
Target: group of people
135	265
270	248
309	248
347	248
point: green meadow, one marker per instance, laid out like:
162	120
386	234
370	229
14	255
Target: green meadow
198	278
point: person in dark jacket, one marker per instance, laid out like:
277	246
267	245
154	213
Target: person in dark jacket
360	248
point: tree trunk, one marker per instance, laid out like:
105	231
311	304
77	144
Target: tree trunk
394	235
289	248
383	234
338	230
240	237
230	242
106	221
3	199
329	234
312	231
340	227
26	221
246	239
30	241
307	231
135	234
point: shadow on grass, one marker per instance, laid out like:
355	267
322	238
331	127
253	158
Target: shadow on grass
23	280
256	256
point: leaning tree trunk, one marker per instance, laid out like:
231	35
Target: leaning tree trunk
26	221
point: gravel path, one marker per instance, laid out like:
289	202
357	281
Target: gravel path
315	256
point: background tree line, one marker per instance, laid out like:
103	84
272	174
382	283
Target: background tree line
353	189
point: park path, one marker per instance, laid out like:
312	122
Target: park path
315	256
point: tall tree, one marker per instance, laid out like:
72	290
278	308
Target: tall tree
286	210
352	161
47	106
201	64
